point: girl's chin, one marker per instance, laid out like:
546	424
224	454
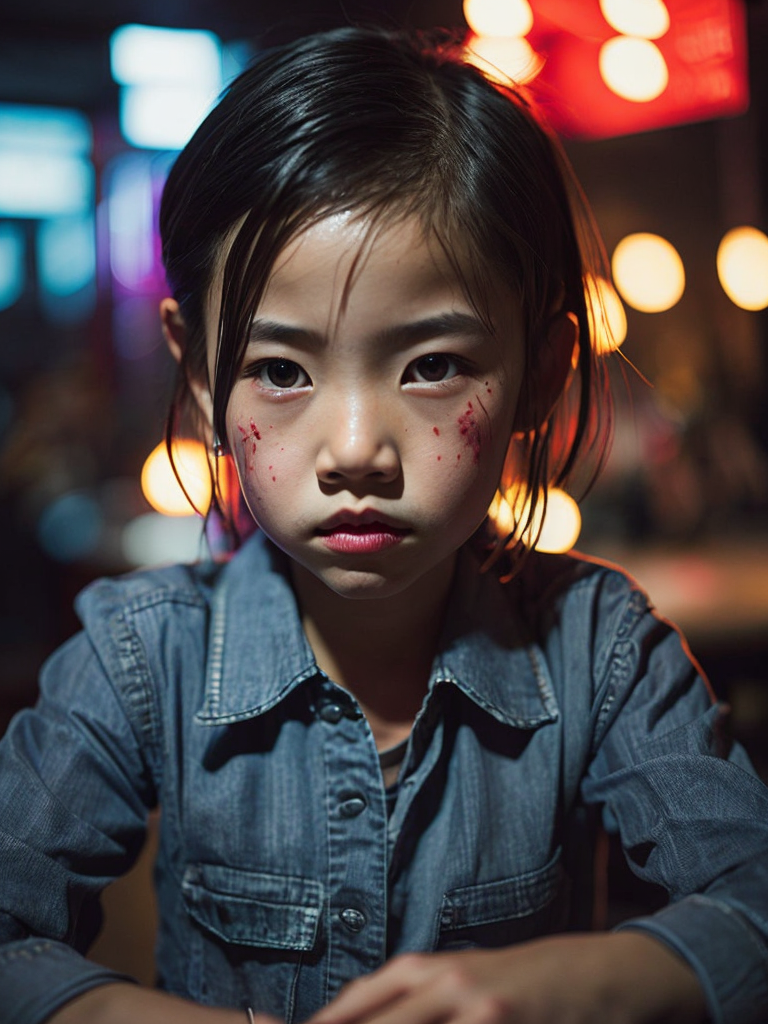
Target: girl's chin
366	582
360	584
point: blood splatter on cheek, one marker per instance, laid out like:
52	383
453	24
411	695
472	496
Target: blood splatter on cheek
249	436
469	430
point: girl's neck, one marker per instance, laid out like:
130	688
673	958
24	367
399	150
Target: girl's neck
379	649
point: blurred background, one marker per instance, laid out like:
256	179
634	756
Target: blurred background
663	110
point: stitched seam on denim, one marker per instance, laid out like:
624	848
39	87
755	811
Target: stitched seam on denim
329	936
491	708
735	915
26	952
162	595
546	690
618	666
215	653
139	694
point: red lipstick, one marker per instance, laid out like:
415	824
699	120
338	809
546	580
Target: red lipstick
362	539
361	532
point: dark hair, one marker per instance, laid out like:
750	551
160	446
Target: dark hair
383	122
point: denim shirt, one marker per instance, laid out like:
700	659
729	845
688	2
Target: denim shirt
280	874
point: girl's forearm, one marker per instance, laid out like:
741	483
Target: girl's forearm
125	1003
652	982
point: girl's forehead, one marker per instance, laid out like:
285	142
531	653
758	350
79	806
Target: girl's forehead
351	241
351	255
384	265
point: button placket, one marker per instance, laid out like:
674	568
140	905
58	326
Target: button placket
331	713
357	827
353	920
351	806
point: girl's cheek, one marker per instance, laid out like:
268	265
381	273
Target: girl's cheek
257	452
468	433
247	441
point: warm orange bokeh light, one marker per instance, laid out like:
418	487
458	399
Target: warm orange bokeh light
160	486
499	17
504	60
559	529
646	18
633	68
742	266
607	319
648	272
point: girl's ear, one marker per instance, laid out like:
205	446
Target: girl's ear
175	334
548	374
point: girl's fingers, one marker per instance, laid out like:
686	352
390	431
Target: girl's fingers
417	989
362	998
411	1007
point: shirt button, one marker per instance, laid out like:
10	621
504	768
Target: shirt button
331	713
351	807
353	919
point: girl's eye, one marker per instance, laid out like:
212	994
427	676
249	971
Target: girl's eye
279	375
432	369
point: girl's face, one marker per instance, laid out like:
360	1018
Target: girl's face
371	418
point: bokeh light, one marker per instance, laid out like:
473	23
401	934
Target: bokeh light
146	53
633	68
742	266
502	60
648	272
559	529
70	527
162	489
12	267
169	80
605	311
499	17
155	539
646	18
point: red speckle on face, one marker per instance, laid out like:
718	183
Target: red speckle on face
436	431
458	457
439	457
274	478
470	430
252	434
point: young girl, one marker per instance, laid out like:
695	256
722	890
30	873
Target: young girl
378	749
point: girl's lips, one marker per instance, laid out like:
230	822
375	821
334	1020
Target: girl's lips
364	538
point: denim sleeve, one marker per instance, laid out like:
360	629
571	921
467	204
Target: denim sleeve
691	813
74	799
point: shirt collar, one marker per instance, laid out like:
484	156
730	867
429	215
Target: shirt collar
487	653
258	652
257	649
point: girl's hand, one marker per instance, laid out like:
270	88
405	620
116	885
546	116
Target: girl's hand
622	977
123	1003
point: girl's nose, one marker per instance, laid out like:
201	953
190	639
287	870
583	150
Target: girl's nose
356	444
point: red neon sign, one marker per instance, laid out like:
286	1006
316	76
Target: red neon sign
705	50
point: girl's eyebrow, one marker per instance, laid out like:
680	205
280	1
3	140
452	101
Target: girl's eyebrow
272	330
442	325
450	324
